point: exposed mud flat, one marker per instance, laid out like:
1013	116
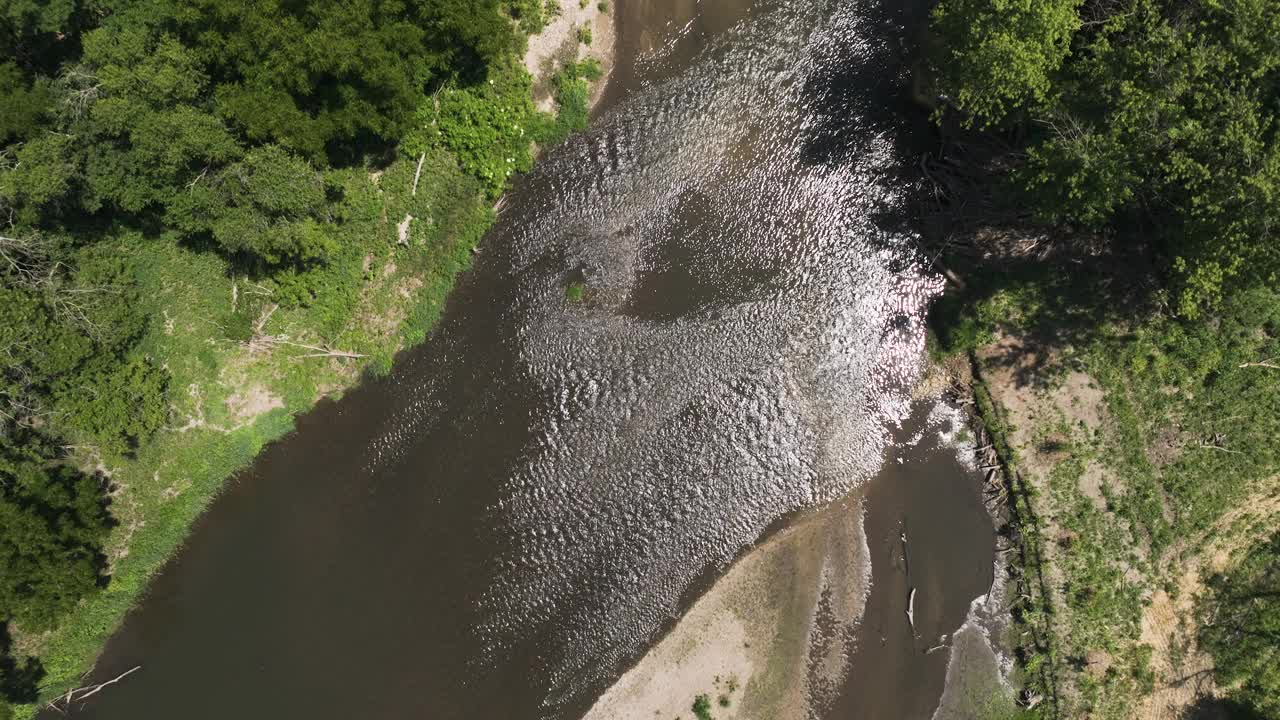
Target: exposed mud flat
783	612
829	620
559	43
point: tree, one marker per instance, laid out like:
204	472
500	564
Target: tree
1000	55
22	102
270	206
1159	109
146	133
66	359
116	405
317	77
19	681
53	521
41	34
1243	631
35	349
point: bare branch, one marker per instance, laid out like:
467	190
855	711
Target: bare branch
89	690
263	342
417	174
82	90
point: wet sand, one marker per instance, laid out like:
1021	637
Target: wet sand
798	628
558	44
750	638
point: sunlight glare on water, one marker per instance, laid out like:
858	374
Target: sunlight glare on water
747	338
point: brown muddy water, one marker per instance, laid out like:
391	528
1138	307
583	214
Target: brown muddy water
932	548
513	516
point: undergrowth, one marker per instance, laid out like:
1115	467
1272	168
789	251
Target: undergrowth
1191	416
376	296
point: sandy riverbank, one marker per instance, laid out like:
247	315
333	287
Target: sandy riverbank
764	636
559	43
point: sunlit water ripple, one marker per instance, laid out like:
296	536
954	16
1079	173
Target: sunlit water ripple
748	338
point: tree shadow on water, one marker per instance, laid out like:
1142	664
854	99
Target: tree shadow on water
860	96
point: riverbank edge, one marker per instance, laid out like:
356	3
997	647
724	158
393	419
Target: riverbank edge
1152	669
1010	501
140	546
755	642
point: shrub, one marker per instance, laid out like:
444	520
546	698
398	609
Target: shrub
572	93
486	126
702	707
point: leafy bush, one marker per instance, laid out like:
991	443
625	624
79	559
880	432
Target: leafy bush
115	405
486	126
702	707
531	15
269	206
572	92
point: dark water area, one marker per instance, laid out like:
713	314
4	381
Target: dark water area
506	522
928	532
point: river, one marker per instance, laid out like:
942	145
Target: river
504	524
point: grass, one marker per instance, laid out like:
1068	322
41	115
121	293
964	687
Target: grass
1188	433
385	298
374	298
573	292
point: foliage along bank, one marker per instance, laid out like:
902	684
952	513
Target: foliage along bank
1144	137
211	214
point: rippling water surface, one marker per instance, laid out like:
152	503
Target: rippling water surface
498	528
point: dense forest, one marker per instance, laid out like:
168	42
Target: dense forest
184	185
1153	110
1125	155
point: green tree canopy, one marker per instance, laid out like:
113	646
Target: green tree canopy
22	102
270	206
147	130
313	77
66	358
1001	55
52	523
1160	108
